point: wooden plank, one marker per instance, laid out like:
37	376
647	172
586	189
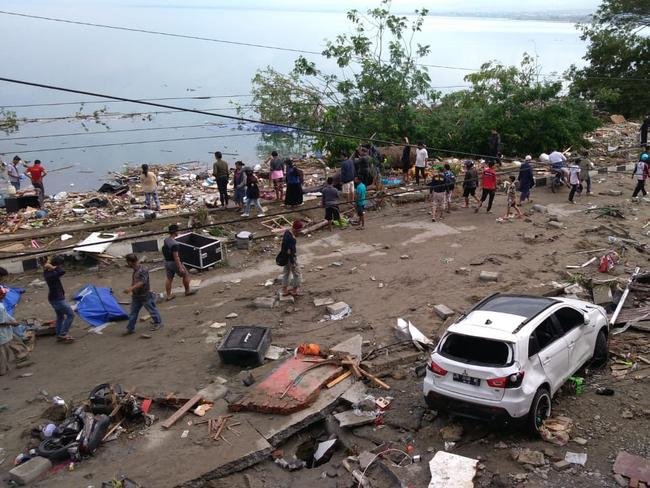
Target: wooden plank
336	381
181	411
375	380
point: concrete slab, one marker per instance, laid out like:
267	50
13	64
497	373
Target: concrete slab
294	385
355	393
321	302
264	302
488	276
443	311
350	419
337	308
30	471
452	471
351	346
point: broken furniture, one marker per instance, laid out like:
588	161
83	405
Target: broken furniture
198	251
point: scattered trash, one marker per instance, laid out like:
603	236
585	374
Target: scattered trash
556	430
407	331
576	458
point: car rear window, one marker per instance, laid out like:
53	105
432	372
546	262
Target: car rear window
477	350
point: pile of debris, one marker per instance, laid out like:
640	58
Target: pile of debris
615	142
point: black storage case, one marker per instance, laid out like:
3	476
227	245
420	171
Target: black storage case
245	345
197	251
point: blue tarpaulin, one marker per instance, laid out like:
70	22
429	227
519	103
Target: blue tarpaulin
12	298
98	305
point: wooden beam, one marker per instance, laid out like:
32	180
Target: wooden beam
338	379
181	411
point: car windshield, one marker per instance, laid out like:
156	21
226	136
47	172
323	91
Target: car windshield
517	305
477	350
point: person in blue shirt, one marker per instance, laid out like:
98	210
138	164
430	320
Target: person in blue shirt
360	202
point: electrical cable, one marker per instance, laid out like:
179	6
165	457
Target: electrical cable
256	45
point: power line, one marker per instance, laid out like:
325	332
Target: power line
82	102
256	45
129	143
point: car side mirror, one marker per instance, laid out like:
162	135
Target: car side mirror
587	319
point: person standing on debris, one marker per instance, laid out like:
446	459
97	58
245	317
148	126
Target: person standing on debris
141	295
526	180
150	187
330	202
438	193
220	171
511	193
574	179
252	193
291	269
36	172
406	160
470	183
494	146
173	265
489	184
295	177
347	177
276	165
450	180
360	202
640	174
12	172
239	183
421	156
52	273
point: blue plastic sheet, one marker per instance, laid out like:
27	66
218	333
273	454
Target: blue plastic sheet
98	305
12	298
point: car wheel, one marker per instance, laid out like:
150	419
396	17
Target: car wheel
601	350
540	410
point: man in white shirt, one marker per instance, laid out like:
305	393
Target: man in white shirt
557	161
574	178
12	172
421	156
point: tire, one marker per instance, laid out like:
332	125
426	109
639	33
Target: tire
601	350
53	450
540	410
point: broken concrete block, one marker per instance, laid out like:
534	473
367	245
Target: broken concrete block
602	294
574	289
355	393
620	481
286	298
213	392
232	315
530	237
555	224
351	346
489	276
534	458
561	465
321	302
350	419
443	311
264	302
337	308
452	471
614	193
30	470
462	271
452	432
539	208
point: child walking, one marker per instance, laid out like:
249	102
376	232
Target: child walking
511	192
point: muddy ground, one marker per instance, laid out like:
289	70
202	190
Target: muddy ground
415	261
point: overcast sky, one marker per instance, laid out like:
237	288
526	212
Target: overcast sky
398	5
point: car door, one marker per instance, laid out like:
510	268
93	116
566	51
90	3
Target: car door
552	351
576	336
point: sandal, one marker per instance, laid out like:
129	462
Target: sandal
65	339
170	298
191	292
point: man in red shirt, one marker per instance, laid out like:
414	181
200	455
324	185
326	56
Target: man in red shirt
489	184
36	173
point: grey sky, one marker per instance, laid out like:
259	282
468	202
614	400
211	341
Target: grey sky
398	5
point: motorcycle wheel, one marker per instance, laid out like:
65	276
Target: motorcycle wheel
53	450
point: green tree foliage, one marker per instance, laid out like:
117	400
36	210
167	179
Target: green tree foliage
618	71
377	87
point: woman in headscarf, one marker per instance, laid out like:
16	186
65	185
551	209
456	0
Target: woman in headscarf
293	196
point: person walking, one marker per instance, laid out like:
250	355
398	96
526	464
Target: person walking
641	175
489	184
221	172
239	183
347	177
293	195
406	160
331	202
36	172
526	180
173	265
494	146
252	194
276	166
585	167
511	194
150	187
141	295
450	181
360	202
421	156
292	275
437	193
12	172
52	272
470	183
574	179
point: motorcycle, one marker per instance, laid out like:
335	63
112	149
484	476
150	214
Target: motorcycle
558	180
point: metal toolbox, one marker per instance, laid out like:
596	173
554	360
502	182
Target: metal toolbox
197	251
245	345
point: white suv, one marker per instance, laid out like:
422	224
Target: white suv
508	355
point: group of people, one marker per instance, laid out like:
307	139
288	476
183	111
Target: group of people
35	172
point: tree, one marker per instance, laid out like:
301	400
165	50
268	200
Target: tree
617	76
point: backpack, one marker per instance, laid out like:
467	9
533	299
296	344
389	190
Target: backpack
450	180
